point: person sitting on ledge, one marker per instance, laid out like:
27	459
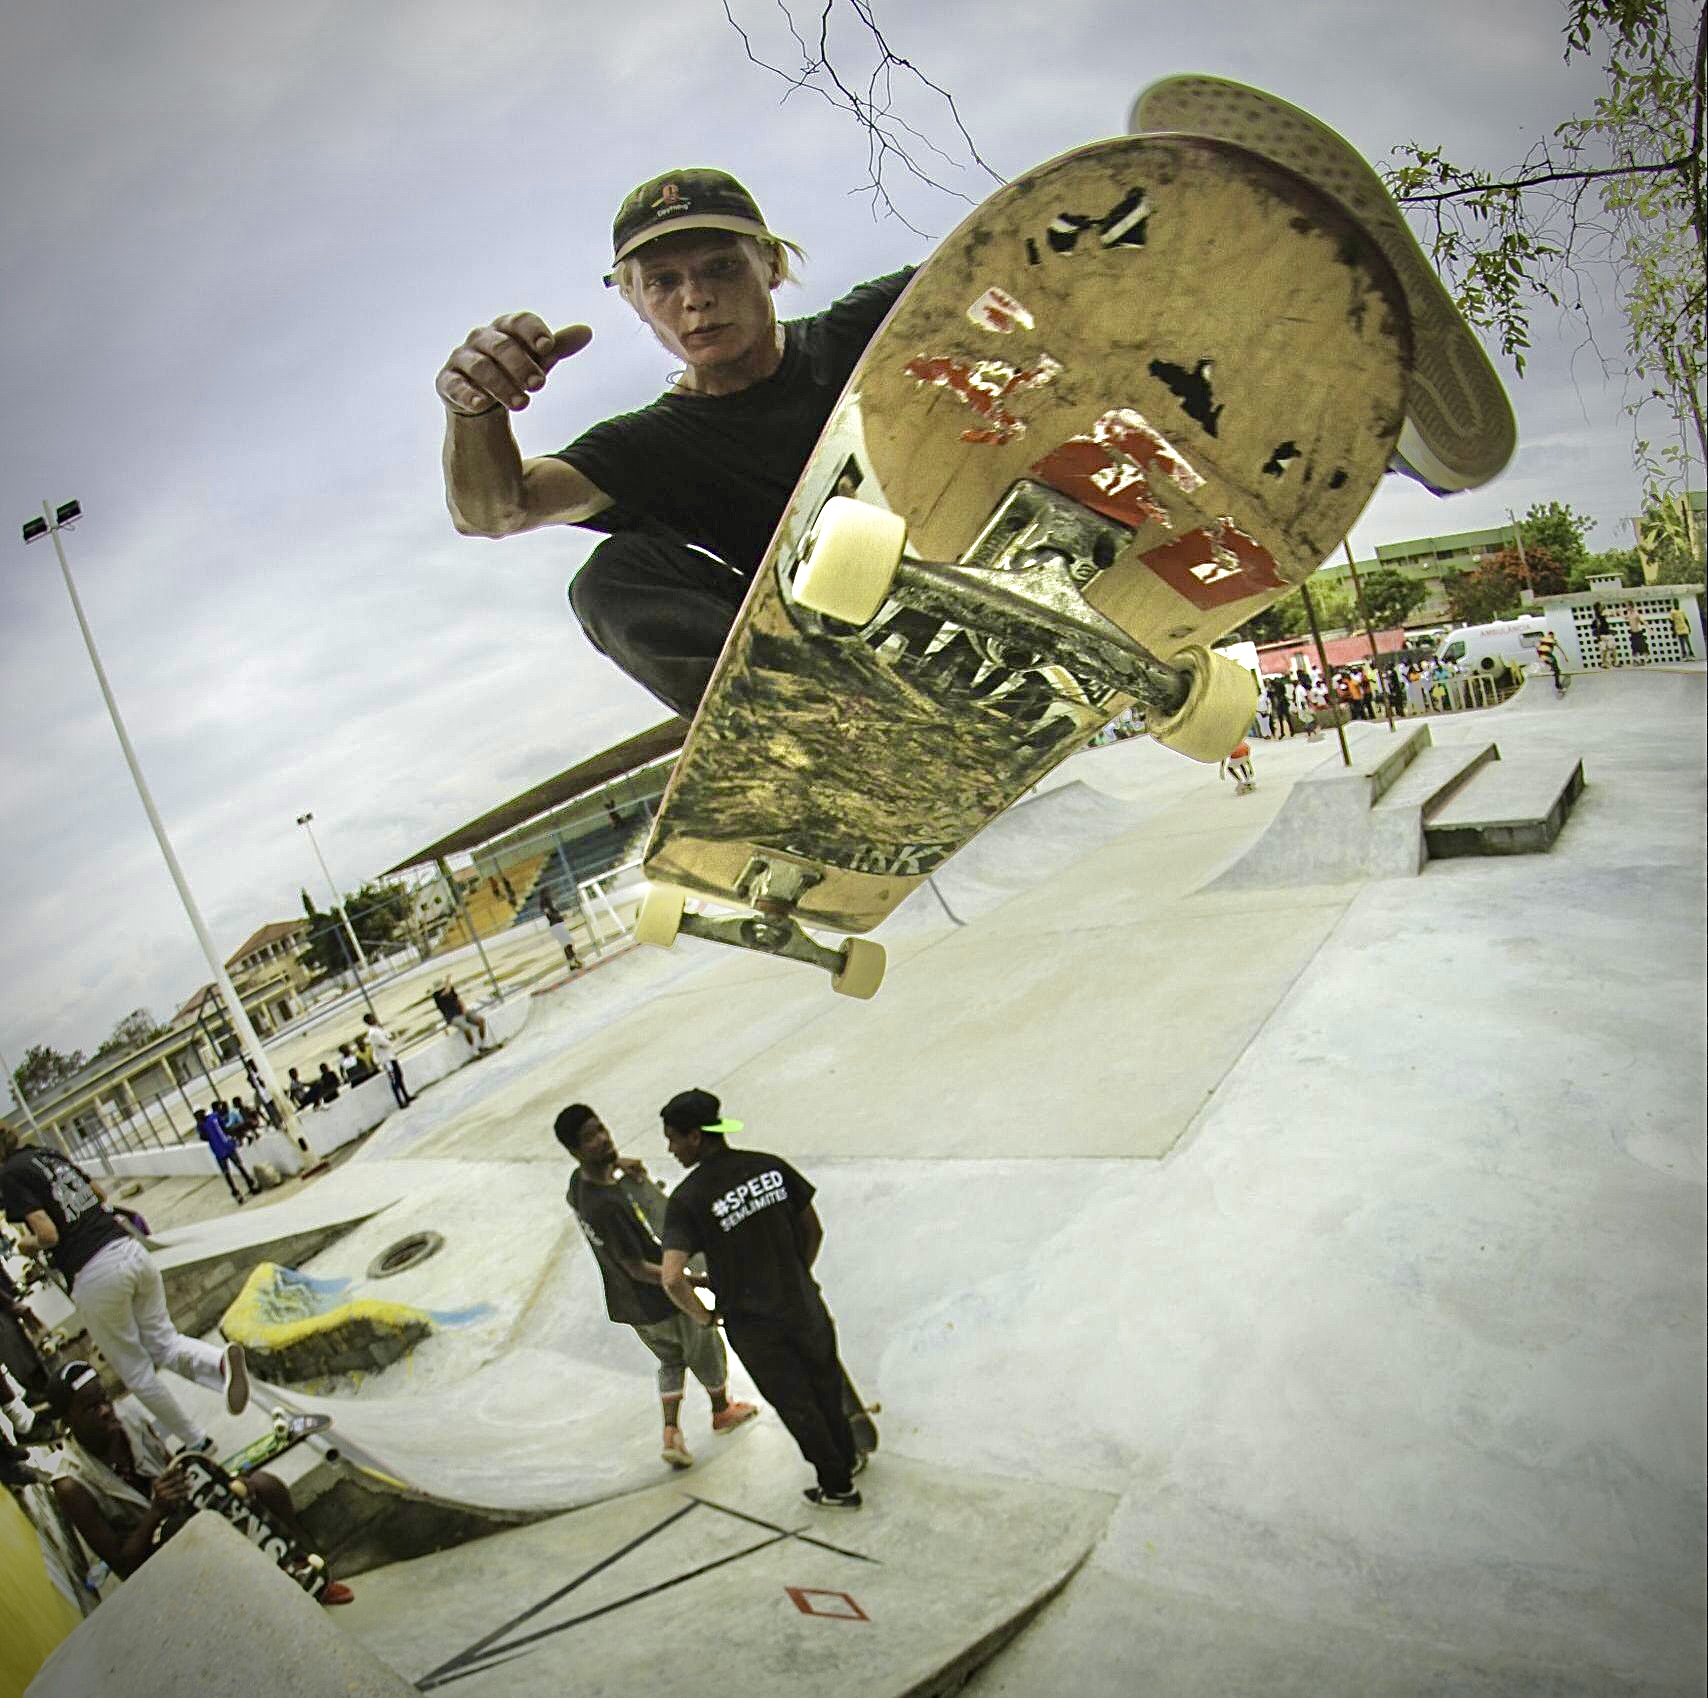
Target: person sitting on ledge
123	1490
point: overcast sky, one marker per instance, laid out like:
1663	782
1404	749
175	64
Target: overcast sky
237	242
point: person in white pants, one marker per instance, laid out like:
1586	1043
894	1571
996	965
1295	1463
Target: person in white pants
117	1289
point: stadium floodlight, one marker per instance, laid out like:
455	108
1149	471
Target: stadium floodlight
50	524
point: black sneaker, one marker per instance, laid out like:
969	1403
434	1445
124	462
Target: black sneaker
819	1498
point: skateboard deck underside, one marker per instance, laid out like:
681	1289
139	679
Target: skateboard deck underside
1203	354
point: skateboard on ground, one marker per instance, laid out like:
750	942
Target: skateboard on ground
860	1413
286	1433
1137	396
213	1487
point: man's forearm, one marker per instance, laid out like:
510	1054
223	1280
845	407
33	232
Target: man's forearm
687	1299
483	474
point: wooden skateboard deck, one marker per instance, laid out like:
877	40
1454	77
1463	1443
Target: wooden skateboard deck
1174	353
212	1487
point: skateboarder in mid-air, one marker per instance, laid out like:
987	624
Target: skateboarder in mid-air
706	469
751	1215
621	1212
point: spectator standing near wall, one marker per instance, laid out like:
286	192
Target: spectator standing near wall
1681	630
385	1053
223	1148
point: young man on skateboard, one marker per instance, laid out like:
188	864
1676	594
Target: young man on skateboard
621	1212
119	1487
751	1216
691	486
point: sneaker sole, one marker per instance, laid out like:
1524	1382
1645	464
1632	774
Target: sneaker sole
237	1385
1459	431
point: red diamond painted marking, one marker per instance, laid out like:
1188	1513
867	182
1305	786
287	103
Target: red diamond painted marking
809	1600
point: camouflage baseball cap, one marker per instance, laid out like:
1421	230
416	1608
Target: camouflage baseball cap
697	198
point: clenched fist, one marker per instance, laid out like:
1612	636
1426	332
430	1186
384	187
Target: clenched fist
501	363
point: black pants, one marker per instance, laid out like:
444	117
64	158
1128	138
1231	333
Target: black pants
394	1073
236	1161
795	1366
660	610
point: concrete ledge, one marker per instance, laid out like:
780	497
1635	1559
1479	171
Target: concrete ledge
1397	845
1510	808
208	1616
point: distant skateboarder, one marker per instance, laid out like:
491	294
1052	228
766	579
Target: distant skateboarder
751	1216
621	1212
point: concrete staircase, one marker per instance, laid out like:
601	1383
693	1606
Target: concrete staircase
1402	801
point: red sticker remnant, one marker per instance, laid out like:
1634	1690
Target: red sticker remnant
1214	565
984	385
1109	469
998	310
805	1600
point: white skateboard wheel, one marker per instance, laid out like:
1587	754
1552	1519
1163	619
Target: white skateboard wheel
849	560
1218	710
660	916
862	969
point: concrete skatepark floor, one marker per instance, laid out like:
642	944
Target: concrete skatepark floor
1347	1240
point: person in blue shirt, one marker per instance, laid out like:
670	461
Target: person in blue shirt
219	1141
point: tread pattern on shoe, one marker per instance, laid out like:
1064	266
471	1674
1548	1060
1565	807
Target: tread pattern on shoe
1460	431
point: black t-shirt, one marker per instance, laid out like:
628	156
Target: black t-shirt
622	1222
36	1179
742	1209
718	470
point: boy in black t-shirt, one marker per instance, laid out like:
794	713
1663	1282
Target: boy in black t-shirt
114	1284
751	1215
690	487
621	1212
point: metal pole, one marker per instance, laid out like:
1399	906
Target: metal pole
232	1001
1322	655
468	924
306	821
1523	563
1364	614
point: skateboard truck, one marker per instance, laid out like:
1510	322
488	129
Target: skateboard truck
772	887
1021	588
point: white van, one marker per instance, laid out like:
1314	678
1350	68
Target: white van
1481	648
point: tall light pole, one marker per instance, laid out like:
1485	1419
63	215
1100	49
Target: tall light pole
306	821
50	524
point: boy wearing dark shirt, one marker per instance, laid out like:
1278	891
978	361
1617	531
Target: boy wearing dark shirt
621	1212
114	1285
690	488
751	1216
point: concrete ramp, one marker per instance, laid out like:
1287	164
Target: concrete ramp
724	1580
1019	850
209	1616
1325	832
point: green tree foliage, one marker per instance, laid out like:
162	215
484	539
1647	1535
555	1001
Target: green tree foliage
380	913
1563	533
327	951
1614	196
139	1027
1494	588
1390	597
43	1070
